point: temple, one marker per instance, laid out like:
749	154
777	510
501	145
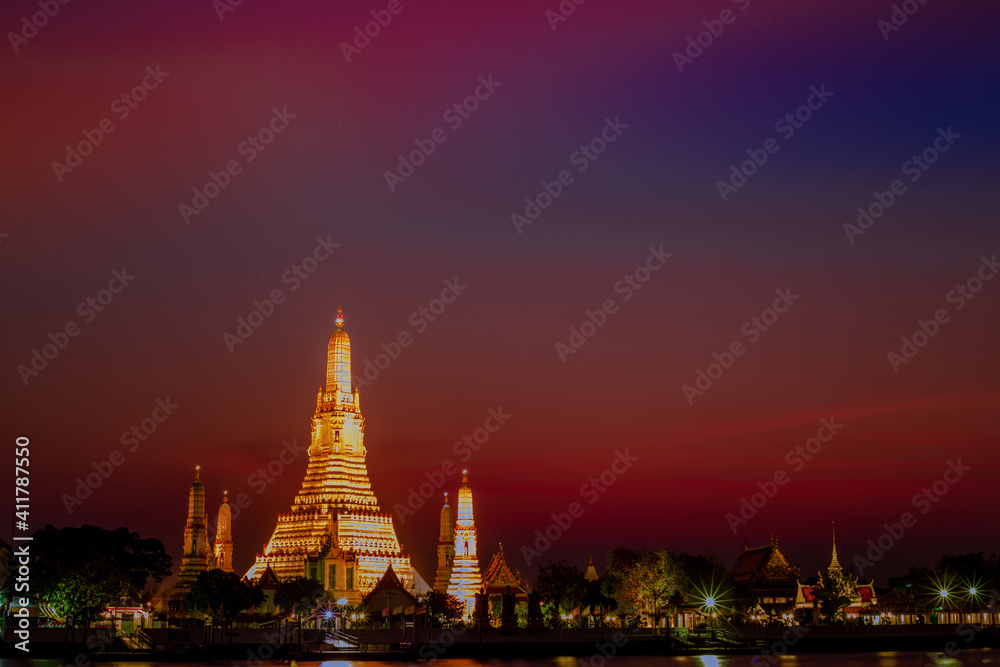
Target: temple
196	556
335	531
224	536
446	548
466	579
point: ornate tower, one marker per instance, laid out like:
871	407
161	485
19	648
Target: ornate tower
834	563
196	557
335	531
224	536
466	579
446	548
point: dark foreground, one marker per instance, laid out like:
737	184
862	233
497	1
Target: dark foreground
259	646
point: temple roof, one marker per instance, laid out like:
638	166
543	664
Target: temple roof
765	563
499	575
389	585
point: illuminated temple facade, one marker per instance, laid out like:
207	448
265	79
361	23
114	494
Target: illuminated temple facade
199	554
466	577
335	532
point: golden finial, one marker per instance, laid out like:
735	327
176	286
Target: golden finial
340	318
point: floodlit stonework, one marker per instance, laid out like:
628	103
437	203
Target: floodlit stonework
466	578
335	532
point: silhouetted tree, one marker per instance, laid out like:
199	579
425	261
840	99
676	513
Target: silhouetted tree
80	572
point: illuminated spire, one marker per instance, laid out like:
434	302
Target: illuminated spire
446	548
466	578
338	359
465	519
834	563
224	536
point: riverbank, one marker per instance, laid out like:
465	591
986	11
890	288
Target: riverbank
255	646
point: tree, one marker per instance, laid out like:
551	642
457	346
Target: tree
561	587
640	581
79	572
297	595
702	578
442	608
834	593
222	595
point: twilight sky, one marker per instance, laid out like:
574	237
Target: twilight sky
550	99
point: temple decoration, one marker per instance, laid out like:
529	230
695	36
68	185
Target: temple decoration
224	536
196	556
466	579
335	532
446	548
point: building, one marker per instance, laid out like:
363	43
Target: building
196	556
774	582
199	554
466	578
446	548
862	594
224	536
335	531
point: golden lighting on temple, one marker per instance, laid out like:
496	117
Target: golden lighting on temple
335	531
